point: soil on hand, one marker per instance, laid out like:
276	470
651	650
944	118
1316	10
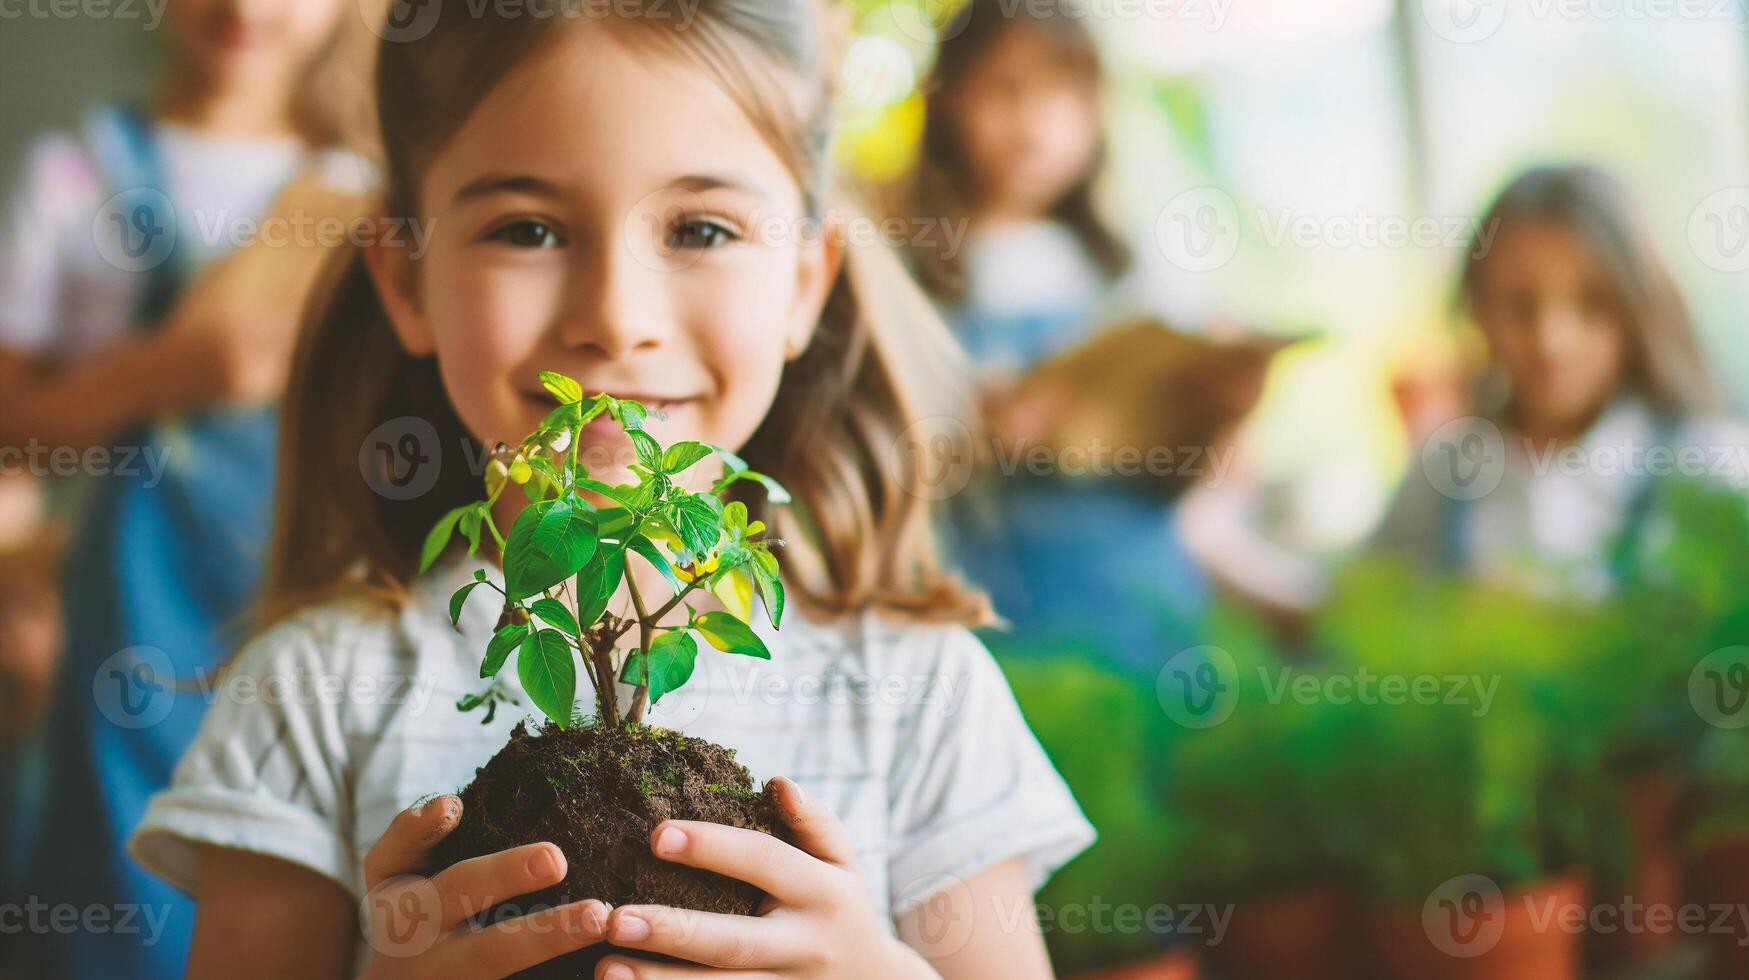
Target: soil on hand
598	793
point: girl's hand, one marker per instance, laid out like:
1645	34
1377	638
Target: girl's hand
419	926
817	923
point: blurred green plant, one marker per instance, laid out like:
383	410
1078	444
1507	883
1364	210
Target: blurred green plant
1268	796
1510	788
1111	776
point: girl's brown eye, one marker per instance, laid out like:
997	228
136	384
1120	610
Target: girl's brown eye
528	234
700	234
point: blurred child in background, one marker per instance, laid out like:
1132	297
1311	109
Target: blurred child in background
1012	147
1592	357
112	336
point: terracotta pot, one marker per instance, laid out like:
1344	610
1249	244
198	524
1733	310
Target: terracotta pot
1721	877
1510	940
1655	803
1181	964
1657	882
1305	934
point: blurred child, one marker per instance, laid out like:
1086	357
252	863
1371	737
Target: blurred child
1075	531
533	144
1593	370
1013	146
109	340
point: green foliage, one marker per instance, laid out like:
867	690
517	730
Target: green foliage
1268	797
1063	695
565	560
1512	787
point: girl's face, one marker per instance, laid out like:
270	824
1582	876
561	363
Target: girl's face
613	215
1028	122
256	36
1554	324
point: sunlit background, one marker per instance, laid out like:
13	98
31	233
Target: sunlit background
1596	759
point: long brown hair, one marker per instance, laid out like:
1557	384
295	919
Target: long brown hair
859	532
941	185
1666	366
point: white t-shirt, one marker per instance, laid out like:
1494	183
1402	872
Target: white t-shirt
336	720
1553	518
60	297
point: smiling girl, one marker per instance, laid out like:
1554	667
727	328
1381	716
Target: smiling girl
601	193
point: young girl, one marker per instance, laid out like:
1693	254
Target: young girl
1013	146
114	355
1592	360
627	200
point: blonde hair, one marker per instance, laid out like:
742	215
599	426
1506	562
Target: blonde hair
859	532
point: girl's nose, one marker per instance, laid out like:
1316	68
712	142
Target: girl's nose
615	303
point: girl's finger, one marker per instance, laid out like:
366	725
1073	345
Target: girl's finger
622	968
470	887
405	847
782	871
706	938
815	828
523	942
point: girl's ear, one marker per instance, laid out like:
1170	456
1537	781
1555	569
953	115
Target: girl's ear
392	269
821	262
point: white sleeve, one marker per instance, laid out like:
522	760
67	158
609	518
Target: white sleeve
55	186
267	772
970	786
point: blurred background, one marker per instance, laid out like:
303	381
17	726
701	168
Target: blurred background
1348	589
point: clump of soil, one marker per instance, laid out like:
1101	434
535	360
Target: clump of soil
598	792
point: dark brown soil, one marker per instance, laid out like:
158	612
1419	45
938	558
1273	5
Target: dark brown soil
598	793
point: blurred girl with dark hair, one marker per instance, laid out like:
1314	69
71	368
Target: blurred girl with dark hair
1592	357
1012	150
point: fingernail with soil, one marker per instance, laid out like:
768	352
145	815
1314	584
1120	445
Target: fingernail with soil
629	928
670	841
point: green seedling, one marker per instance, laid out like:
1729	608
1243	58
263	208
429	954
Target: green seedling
566	557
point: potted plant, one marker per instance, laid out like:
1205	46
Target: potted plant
1670	613
1720	845
1267	799
594	779
1112	778
1479	807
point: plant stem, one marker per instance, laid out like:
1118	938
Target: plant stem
606	698
641	696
